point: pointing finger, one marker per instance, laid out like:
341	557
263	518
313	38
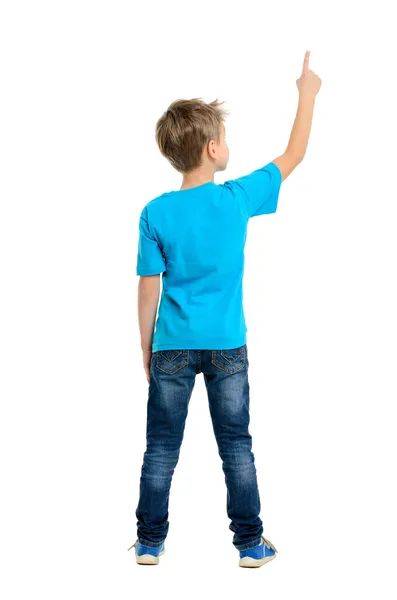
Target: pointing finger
306	62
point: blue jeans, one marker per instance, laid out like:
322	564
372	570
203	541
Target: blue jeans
172	378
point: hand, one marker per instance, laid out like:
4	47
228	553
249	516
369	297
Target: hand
308	83
147	358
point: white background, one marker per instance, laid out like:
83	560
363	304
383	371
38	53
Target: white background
82	85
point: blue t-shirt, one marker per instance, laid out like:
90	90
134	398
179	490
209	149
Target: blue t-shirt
196	238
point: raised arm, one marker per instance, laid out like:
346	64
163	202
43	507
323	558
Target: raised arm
308	86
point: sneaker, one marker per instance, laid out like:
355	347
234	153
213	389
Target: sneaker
258	556
146	555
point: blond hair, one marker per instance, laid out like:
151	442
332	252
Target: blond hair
185	128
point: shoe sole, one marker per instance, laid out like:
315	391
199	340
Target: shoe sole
247	561
149	559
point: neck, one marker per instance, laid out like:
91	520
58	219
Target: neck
196	178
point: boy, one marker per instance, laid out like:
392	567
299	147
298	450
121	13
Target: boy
195	237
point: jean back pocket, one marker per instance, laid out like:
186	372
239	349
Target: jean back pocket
230	361
171	361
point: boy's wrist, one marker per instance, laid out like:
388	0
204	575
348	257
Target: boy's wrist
307	98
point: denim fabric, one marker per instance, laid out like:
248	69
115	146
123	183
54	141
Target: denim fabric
172	378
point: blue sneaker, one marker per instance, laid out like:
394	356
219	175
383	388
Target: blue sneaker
146	555
258	556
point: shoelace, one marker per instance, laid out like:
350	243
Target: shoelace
269	544
133	545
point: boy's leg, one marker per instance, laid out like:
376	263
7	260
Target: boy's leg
226	379
172	378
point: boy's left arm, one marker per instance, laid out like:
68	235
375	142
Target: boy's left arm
148	299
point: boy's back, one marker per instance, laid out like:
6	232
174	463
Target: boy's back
195	237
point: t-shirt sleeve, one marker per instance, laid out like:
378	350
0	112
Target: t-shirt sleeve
258	190
150	260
